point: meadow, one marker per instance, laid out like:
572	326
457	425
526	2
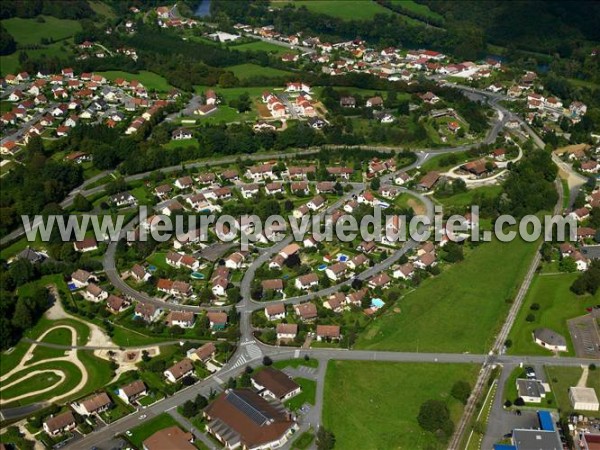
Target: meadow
150	80
245	71
352	9
31	31
261	46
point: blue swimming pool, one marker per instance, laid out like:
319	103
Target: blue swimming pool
152	268
384	205
322	267
197	276
72	286
342	258
377	303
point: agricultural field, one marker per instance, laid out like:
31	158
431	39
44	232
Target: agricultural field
440	315
150	80
358	406
245	71
352	9
557	304
412	6
31	31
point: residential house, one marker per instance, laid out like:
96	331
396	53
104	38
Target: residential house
147	312
116	304
94	405
306	311
275	384
60	423
81	278
286	331
306	282
88	244
94	293
382	280
275	311
204	353
179	370
328	332
183	319
173	438
132	391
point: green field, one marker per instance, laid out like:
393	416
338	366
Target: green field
11	64
466	198
245	71
351	9
458	311
35	383
295	363
376	404
60	336
412	6
308	394
148	428
150	80
30	31
557	305
261	46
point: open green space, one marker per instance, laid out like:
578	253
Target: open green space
245	71
31	31
465	199
149	427
59	336
350	10
61	49
511	393
35	383
423	10
562	378
102	9
261	46
557	304
458	311
308	394
303	441
150	80
376	404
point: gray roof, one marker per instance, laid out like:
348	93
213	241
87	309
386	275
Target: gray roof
549	337
530	388
30	255
536	440
592	251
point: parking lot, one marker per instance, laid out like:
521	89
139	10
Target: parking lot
586	335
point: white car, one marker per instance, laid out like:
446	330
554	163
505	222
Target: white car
128	433
143	416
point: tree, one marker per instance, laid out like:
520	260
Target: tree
201	402
434	416
325	439
22	317
567	264
267	361
375	184
80	203
461	391
189	409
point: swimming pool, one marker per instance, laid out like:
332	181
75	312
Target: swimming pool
152	268
342	258
197	276
383	205
377	303
322	267
72	286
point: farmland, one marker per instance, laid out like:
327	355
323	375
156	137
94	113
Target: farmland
440	315
261	46
352	9
31	31
245	71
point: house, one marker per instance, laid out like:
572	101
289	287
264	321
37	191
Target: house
340	172
139	273
88	244
531	391
308	281
172	207
183	319
426	260
116	304
60	423
325	187
173	438
357	261
242	418
273	383
374	102
581	261
590	166
405	271
123	199
147	312
217	320
336	271
381	280
204	110
430	97
580	214
328	332
286	331
274	188
549	339
355	298
428	181
219	286
366	246
235	260
277	262
289	250
180	134
179	370
499	154
298	87
316	203
204	353
132	391
274	285
211	97
184	182
31	255
261	172
348	102
80	278
249	190
306	311
93	405
94	293
453	127
335	302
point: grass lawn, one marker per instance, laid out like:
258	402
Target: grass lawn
11	64
158	259
557	305
351	9
511	393
102	9
60	336
30	31
303	441
358	406
308	394
562	378
245	71
465	199
225	114
412	6
261	46
460	310
150	80
295	363
148	428
41	381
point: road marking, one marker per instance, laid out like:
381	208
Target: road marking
172	407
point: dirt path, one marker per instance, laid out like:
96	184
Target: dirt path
584	376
